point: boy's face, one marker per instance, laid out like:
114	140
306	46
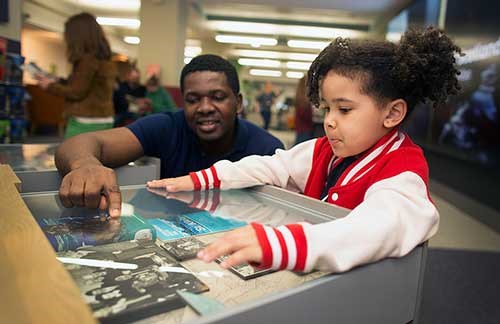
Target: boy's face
210	105
353	121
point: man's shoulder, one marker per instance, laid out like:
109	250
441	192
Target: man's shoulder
165	119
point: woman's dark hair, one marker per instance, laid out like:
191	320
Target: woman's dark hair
421	67
84	36
213	63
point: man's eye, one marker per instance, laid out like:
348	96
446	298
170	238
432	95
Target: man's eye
344	110
191	100
219	97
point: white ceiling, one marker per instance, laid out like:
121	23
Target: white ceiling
368	17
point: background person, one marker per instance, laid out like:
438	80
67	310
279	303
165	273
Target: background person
88	92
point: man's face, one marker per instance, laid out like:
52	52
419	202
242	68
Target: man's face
210	105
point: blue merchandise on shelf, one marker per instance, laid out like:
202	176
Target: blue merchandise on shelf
17	129
3	98
13	71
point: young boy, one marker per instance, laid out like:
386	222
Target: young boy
364	163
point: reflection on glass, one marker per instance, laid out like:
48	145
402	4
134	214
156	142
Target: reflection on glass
28	157
151	214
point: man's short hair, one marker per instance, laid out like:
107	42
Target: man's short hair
213	63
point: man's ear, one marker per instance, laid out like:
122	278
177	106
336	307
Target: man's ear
396	113
239	103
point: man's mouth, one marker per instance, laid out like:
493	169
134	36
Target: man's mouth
207	125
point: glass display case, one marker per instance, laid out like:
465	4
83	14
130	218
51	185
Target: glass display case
34	165
384	292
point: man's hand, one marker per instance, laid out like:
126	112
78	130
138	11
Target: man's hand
183	183
241	243
92	186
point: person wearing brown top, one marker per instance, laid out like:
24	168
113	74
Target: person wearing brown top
88	92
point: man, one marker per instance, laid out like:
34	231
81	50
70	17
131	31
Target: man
207	131
265	100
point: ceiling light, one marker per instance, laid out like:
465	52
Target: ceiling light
123	22
287	30
274	55
132	40
129	5
259	62
294	75
298	65
254	41
192	51
270	73
307	44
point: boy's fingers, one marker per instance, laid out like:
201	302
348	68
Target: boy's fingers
237	258
157	183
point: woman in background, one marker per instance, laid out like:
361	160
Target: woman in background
88	92
304	127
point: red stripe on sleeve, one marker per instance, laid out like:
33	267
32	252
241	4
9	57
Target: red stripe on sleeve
196	181
205	176
216	177
284	250
301	243
267	252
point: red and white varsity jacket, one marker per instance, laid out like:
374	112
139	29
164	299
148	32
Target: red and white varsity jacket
386	188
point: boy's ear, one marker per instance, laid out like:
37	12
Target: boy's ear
396	113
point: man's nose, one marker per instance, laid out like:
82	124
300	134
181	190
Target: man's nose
206	105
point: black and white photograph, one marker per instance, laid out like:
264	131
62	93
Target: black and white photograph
183	249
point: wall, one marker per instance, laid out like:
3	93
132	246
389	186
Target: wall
46	49
12	29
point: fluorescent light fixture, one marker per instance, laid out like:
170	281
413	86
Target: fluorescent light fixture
274	55
307	44
286	30
294	75
187	60
253	41
270	73
259	62
123	22
128	5
192	51
132	40
298	65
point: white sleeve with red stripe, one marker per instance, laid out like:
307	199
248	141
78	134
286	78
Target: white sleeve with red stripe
394	218
281	169
283	247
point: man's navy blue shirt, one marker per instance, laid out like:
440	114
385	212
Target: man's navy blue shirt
168	136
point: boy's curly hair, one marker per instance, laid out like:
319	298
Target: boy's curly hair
421	67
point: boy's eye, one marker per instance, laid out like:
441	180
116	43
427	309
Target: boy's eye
344	110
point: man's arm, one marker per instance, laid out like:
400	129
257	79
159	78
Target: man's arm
85	161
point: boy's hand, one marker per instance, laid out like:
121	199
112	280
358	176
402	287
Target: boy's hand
183	183
242	245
